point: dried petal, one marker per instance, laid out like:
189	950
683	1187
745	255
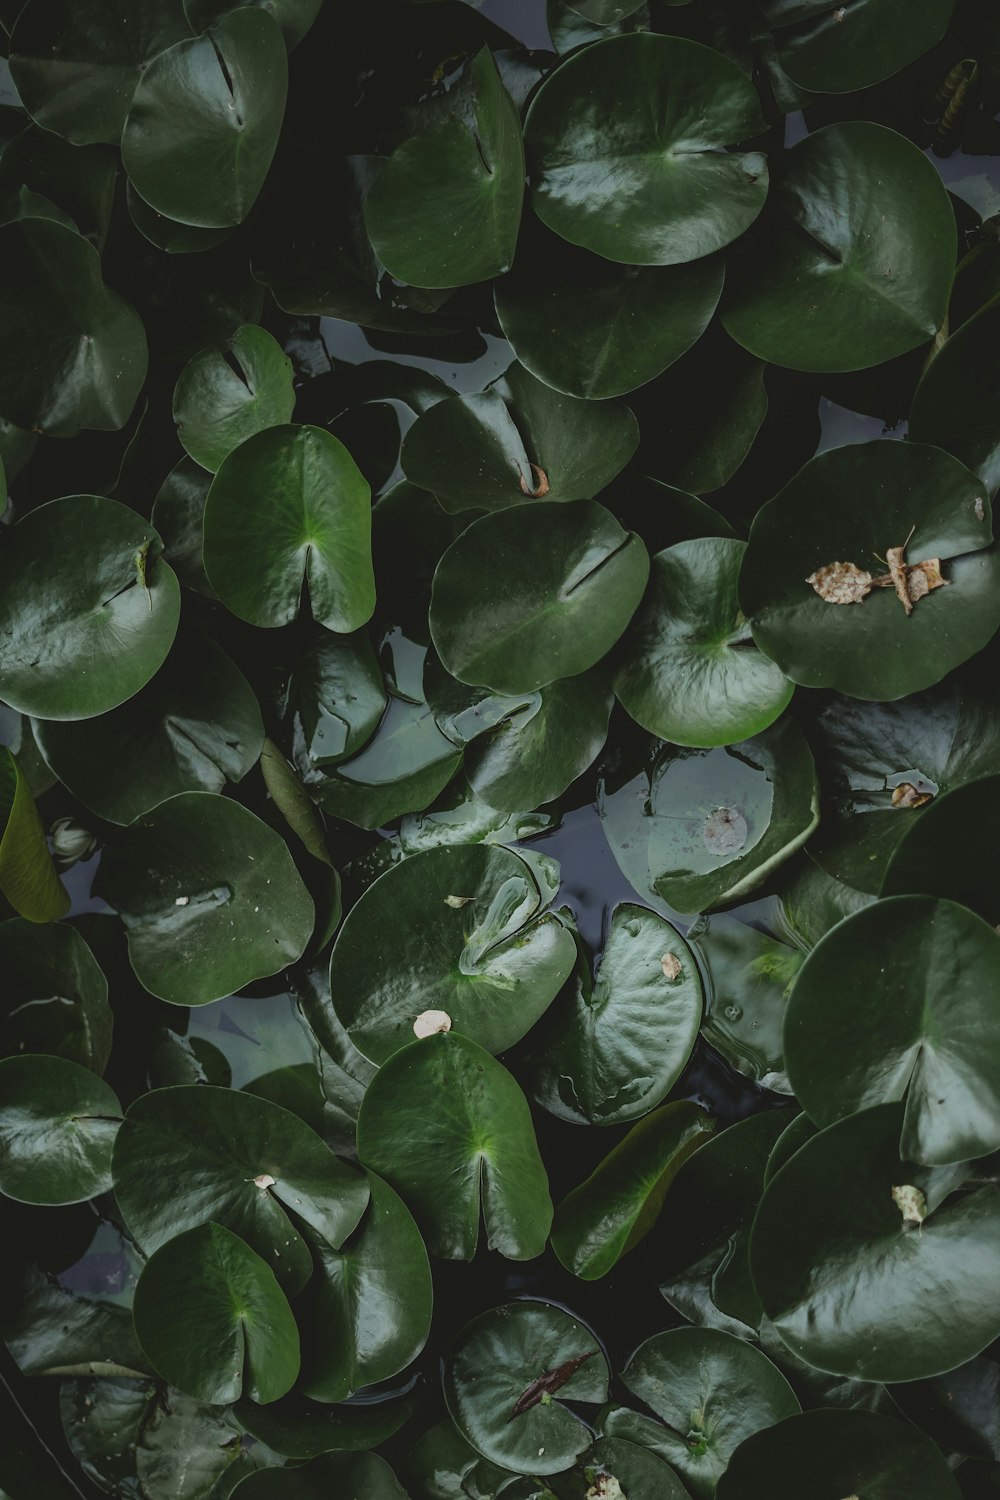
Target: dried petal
907	795
725	831
431	1023
456	902
911	1203
541	483
671	965
980	508
841	583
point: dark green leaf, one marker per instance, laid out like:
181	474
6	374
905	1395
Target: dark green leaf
951	851
28	880
361	1474
55	997
58	1123
955	403
303	1429
226	394
834	49
750	975
336	697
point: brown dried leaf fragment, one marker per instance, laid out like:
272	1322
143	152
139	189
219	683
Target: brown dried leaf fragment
897	574
548	1383
906	795
841	583
671	966
924	576
541	483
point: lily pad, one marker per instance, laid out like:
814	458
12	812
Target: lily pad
227	393
460	932
954	403
195	1154
444	210
692	674
951	851
336	697
178	515
499	1370
58	1123
518	439
450	1130
88	608
832	49
196	725
28	880
609	1214
299	1428
289	510
611	1047
204	121
638	1473
330	1474
852	1245
213	1320
592	328
851	263
515	622
710	1391
915	1021
55	997
624	143
443	1466
750	975
222	905
850	508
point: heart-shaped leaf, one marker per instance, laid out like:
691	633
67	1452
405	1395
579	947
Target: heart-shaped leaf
299	1428
954	404
193	1154
336	697
227	393
213	1320
28	880
209	896
750	975
624	143
950	851
832	49
55	996
450	1130
88	608
289	509
58	1123
691	673
515	622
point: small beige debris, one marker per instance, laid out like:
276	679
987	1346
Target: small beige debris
671	965
456	902
264	1180
431	1023
980	509
841	583
606	1487
924	576
897	573
911	1203
541	483
182	900
906	795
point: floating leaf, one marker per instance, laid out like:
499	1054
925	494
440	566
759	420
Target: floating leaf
950	851
300	1428
225	394
954	403
832	49
28	880
55	996
750	975
331	1473
336	697
58	1123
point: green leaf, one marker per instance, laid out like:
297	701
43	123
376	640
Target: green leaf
450	1130
836	49
624	150
852	262
847	1279
443	1466
959	1410
493	1363
608	12
205	118
610	1048
950	851
515	621
445	208
915	1022
366	1313
76	65
227	393
640	1474
88	608
851	506
750	975
336	697
592	328
167	234
213	1320
74	353
608	1214
196	725
295	17
288	795
955	403
178	515
301	1428
209	896
472	940
102	1420
515	440
193	1154
27	875
691	673
58	1123
289	510
80	180
711	1390
361	1474
55	997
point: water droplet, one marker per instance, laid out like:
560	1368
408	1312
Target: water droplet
732	1012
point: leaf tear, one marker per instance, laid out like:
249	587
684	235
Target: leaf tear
548	1383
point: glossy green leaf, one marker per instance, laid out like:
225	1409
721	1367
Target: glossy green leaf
624	150
811	901
167	234
515	621
55	997
444	210
851	506
74	353
336	697
300	1428
569	29
213	1320
178	515
196	725
295	17
960	1409
847	1278
80	180
915	1022
227	393
204	121
361	1474
610	1047
289	511
835	49
955	402
517	439
28	880
450	1130
101	1418
593	328
612	1211
711	1391
76	66
190	1155
834	1453
951	851
639	1474
494	1363
851	264
750	975
608	12
470	938
367	1312
691	672
88	608
443	1466
58	1123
